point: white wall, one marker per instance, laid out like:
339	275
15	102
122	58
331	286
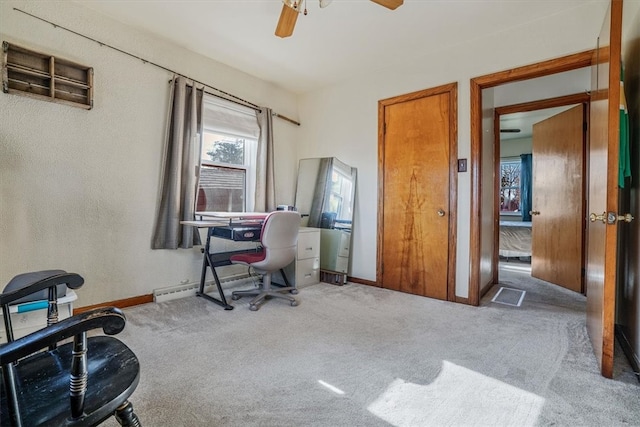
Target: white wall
510	148
487	203
342	120
560	84
78	188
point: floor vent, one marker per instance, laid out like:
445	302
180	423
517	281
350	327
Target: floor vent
189	289
509	296
333	277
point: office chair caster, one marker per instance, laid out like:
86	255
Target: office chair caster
293	291
294	303
253	307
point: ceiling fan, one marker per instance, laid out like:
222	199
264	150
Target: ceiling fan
292	8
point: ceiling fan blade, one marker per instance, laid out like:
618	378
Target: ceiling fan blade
325	3
389	4
287	21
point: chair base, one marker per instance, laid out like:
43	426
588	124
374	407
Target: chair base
125	415
266	291
44	397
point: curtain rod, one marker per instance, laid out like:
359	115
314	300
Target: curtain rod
234	98
255	107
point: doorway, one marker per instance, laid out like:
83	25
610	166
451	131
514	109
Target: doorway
541	218
483	230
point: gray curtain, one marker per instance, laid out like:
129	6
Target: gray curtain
321	191
265	198
179	168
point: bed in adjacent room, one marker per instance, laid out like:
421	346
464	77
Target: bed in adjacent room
515	239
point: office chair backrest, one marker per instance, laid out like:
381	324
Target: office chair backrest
279	239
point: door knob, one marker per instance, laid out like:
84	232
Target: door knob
534	212
611	217
626	217
440	212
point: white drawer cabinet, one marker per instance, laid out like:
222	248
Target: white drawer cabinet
305	269
335	249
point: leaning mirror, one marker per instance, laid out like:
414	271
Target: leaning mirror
325	199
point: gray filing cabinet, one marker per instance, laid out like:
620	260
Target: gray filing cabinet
305	269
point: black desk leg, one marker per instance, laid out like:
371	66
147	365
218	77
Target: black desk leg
284	277
206	262
294	290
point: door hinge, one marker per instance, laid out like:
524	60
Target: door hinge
583	272
585	126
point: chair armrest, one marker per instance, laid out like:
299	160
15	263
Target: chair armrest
110	319
72	280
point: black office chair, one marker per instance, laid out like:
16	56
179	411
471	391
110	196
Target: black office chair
279	238
78	383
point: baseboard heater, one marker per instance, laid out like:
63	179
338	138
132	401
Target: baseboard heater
190	289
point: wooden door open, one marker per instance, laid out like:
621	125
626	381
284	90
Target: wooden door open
602	231
557	233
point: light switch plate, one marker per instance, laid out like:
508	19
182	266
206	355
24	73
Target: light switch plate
462	165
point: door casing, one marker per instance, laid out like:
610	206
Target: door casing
540	69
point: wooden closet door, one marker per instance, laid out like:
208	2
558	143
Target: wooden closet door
416	215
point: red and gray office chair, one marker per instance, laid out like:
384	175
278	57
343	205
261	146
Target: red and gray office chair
279	240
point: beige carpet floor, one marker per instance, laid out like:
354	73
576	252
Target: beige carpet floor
357	355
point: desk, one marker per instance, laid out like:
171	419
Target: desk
230	216
219	259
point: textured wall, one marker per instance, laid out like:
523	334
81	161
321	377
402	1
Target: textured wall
351	108
78	188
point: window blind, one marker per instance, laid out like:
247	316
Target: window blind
230	118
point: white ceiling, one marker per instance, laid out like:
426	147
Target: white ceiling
344	40
525	121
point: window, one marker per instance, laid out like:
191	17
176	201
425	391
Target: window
227	157
510	186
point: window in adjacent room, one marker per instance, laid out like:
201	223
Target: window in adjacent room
510	186
227	157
